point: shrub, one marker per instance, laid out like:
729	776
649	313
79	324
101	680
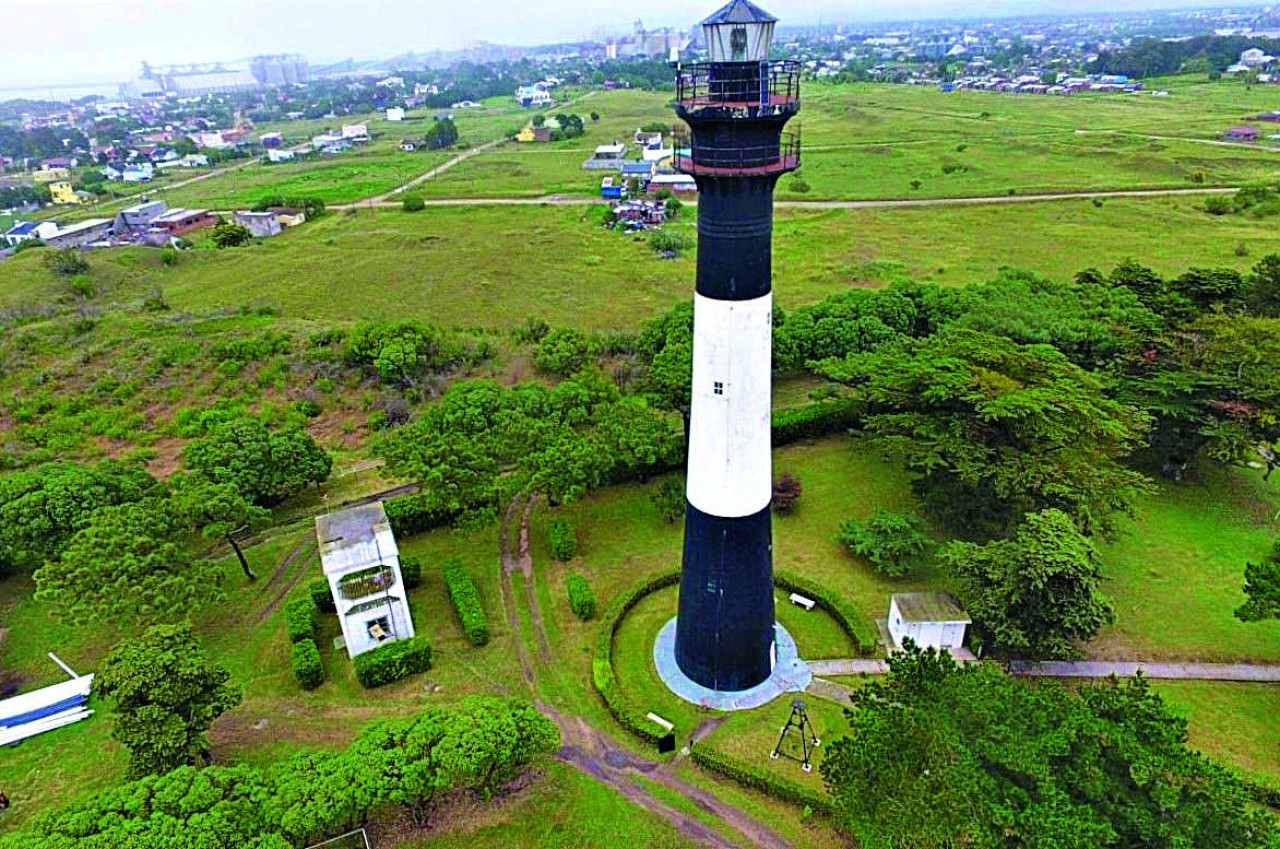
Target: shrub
915	184
393	661
1218	205
563	352
581	599
300	619
799	185
466	601
534	330
306	664
411	514
307	407
411	571
811	421
413	205
1198	176
82	285
1241	249
67	262
28	245
321	596
228	235
891	541
668	498
756	778
564	543
860	630
628	715
666	240
169	256
787	490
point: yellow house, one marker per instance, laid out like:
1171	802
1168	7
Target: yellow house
48	175
63	193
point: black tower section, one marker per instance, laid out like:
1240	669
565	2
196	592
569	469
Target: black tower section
736	151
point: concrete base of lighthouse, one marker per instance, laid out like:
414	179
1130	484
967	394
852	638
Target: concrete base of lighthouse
790	674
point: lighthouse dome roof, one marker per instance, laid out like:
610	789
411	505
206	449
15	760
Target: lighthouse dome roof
740	12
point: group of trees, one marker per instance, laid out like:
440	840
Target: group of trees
109	542
406	352
482	442
942	756
476	745
443	134
1153	57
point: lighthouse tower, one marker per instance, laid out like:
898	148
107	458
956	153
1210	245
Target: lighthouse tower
736	105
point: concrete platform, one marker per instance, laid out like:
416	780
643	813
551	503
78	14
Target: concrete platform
790	675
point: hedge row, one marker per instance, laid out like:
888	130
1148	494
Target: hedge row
300	620
628	715
306	664
393	661
411	571
751	776
466	601
564	542
409	514
581	599
811	421
866	639
321	596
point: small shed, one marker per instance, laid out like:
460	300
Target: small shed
1246	134
931	620
362	564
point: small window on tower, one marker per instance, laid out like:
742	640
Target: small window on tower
718	388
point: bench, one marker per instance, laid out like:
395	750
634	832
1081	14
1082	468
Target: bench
660	721
801	601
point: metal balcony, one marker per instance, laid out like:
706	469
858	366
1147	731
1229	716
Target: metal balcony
731	161
738	89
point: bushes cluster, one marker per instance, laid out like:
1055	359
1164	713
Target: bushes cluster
321	596
306	664
564	351
815	420
861	631
665	240
466	601
756	778
564	542
389	663
411	514
581	598
411	571
300	619
413	204
628	715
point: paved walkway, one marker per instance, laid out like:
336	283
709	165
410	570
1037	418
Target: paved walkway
1261	673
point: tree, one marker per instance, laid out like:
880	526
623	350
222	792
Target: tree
1036	594
124	565
167	694
942	756
893	542
669	499
228	235
1262	586
1263	292
265	467
220	510
42	509
997	429
564	351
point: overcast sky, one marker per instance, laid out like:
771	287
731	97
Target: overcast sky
44	42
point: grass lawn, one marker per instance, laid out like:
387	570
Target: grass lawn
1237	724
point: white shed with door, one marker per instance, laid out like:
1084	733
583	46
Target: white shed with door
362	563
931	620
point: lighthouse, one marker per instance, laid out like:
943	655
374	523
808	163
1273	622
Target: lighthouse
736	105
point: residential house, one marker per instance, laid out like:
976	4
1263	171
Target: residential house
533	96
276	155
330	143
61	192
674	183
608	157
465	104
49	175
355	132
175	222
138	218
1241	134
611	189
395	114
211	138
142	173
261	224
26	231
656	153
82	233
645	139
270	140
640	214
288	216
60	162
641	172
1256	58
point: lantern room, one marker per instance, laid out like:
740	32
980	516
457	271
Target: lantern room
739	32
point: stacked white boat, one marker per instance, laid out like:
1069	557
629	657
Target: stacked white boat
45	709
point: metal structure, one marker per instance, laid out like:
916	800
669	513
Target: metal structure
809	741
736	106
356	839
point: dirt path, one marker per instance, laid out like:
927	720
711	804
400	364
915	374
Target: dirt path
508	565
1258	672
526	568
295	565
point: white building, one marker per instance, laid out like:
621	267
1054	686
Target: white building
395	113
277	155
362	563
353	132
931	620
